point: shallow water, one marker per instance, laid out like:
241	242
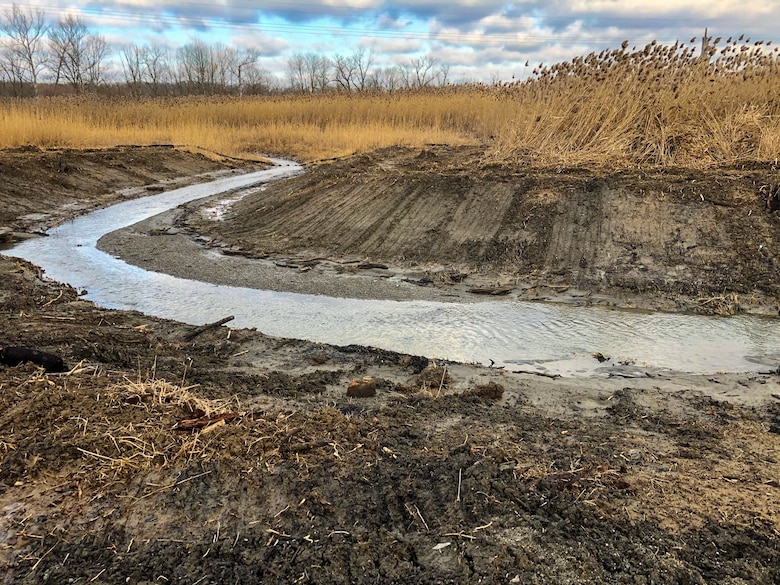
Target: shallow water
521	335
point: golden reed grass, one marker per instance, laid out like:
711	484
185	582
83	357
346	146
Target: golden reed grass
654	106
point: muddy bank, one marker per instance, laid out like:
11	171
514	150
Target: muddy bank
674	239
236	457
43	187
448	474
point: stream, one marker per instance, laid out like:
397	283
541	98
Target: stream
544	337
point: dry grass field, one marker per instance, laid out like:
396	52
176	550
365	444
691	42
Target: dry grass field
653	106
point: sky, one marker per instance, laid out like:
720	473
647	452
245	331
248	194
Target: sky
478	40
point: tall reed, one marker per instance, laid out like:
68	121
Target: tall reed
659	105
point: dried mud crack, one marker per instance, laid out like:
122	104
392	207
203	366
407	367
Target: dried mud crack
449	474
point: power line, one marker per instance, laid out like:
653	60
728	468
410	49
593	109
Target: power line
318	30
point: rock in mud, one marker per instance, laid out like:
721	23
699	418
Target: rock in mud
363	388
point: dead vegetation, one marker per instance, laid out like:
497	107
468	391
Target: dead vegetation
658	105
722	305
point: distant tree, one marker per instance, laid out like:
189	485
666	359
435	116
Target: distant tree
343	73
388	79
363	61
223	59
196	67
247	75
156	68
296	72
133	68
352	73
146	69
309	72
443	74
76	55
423	72
245	70
317	71
22	55
256	80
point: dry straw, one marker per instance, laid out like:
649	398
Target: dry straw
658	105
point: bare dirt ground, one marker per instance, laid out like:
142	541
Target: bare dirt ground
672	239
233	457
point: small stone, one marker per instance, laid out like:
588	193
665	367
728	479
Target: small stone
491	390
362	388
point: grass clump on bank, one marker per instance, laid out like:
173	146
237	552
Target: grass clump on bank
659	105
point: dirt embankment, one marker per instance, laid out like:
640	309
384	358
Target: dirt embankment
235	457
674	239
41	187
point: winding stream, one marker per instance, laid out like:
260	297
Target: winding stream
544	337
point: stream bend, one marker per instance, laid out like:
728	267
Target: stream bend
519	335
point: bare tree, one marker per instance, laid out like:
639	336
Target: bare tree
318	68
423	72
363	60
343	72
77	55
95	55
317	71
255	80
296	71
156	68
197	70
245	68
352	73
223	60
11	72
26	31
309	72
389	79
443	74
145	69
133	67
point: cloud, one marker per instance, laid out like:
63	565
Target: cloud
475	38
269	46
391	46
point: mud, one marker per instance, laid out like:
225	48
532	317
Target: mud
43	187
450	473
671	239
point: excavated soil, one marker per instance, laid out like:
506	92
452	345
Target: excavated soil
675	239
163	455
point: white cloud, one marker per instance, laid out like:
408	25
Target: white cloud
476	38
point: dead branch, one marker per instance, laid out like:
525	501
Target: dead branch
203	328
543	374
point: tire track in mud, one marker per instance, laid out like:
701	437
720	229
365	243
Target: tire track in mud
578	234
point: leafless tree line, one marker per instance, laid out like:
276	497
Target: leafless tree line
66	52
32	49
313	72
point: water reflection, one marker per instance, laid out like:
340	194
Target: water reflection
556	338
